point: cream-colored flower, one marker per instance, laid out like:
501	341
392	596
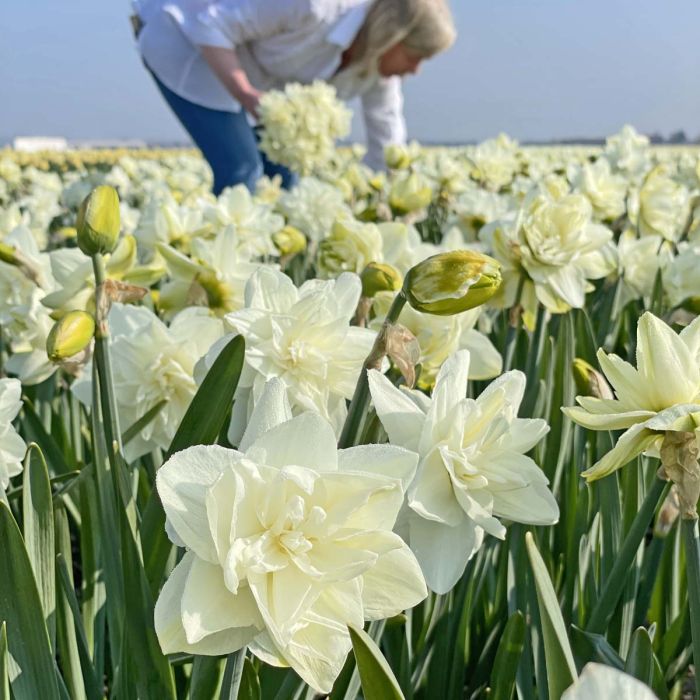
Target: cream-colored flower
605	190
681	274
301	125
662	394
640	260
496	161
662	206
289	541
12	447
152	362
628	153
303	337
254	221
349	247
472	470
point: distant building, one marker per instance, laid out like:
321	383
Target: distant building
31	144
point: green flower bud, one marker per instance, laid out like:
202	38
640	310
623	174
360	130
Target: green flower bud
409	193
70	335
98	221
379	277
289	241
449	283
589	381
396	157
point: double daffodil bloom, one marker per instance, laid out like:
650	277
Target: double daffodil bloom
289	541
662	394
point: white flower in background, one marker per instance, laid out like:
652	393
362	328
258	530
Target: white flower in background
558	246
496	161
681	274
163	220
441	336
303	337
215	275
402	246
349	247
661	394
289	541
301	125
409	192
599	682
12	447
312	207
628	153
476	207
640	260
152	362
254	221
605	191
472	467
661	207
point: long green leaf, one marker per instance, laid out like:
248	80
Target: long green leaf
4	664
137	426
39	537
378	681
508	655
640	658
561	669
32	668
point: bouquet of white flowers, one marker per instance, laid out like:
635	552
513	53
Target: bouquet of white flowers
301	125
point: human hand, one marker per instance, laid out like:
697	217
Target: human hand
250	100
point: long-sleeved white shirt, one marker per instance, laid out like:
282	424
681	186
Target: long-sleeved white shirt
277	41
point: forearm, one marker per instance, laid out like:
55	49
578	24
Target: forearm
227	68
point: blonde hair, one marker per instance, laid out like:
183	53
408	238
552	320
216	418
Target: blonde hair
423	26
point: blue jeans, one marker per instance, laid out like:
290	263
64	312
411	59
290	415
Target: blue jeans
227	141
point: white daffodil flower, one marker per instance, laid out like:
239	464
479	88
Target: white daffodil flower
289	541
599	682
472	467
12	446
662	394
152	362
302	336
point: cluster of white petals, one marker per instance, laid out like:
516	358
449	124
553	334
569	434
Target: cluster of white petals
289	540
12	447
301	125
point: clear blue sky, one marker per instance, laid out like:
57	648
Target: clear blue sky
537	69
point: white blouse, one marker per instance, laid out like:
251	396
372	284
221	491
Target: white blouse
277	41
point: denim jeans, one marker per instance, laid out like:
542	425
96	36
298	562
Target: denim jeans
227	141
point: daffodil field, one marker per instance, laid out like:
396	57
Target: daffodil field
430	433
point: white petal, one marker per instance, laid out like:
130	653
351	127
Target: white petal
602	421
307	440
443	551
271	410
633	442
486	361
384	460
450	386
209	607
182	484
402	419
395	583
168	620
600	682
432	495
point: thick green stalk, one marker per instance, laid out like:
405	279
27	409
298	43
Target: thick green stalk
615	583
360	399
691	537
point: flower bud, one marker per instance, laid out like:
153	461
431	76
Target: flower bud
379	277
289	241
590	382
70	335
449	283
98	221
409	193
396	157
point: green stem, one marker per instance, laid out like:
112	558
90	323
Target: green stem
691	537
233	673
103	358
360	399
513	326
615	583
